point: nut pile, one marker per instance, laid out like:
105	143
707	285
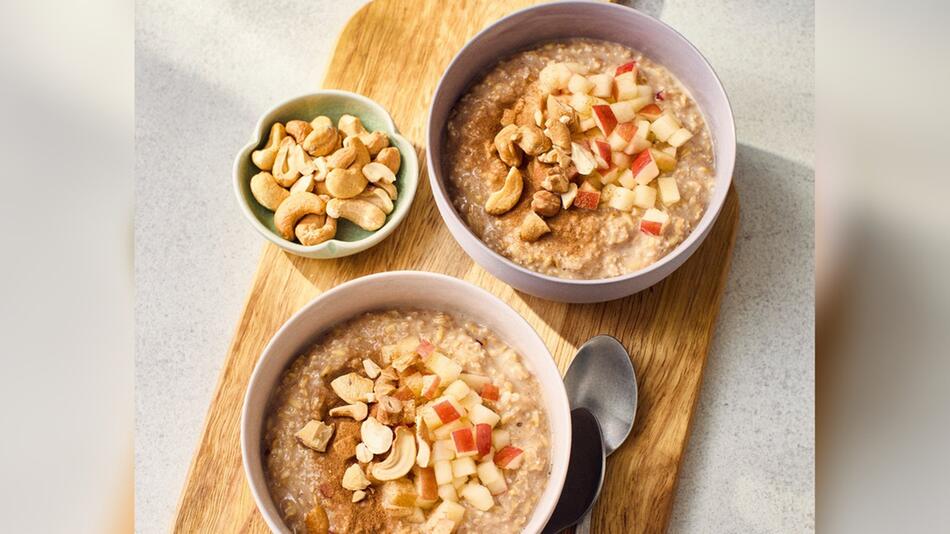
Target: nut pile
313	173
429	436
594	139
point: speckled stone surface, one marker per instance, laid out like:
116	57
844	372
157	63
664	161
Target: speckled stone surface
206	70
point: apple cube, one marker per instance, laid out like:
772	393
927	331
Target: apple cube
587	200
581	103
671	150
448	409
644	196
500	438
579	84
680	137
630	66
443	449
427	490
601	153
458	390
624	110
664	127
425	349
586	123
443	472
445	431
492	478
481	414
470	400
664	161
651	112
490	392
626	179
645	91
509	457
621	199
583	159
430	386
620	160
627	86
604	118
483	435
447	493
448	510
554	77
464	442
652	223
644	168
621	136
476	382
478	496
458	482
567	199
603	85
669	193
447	369
463	467
640	102
608	178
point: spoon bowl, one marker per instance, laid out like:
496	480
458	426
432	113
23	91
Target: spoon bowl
585	473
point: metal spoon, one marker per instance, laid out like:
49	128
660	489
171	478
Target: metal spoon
585	472
602	379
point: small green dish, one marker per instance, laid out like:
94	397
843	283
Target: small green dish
350	238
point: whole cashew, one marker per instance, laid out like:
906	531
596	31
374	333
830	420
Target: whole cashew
362	153
264	158
389	188
377	172
359	212
321	169
532	140
375	141
505	198
342	158
346	183
323	139
315	229
283	171
294	208
304	183
350	125
508	151
300	161
267	191
389	157
377	197
558	133
298	129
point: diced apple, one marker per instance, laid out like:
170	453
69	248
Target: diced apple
604	118
644	168
607	178
427	490
447	369
603	85
457	390
624	111
425	349
620	161
430	386
626	179
470	400
627	86
664	127
464	442
579	84
651	112
567	199
554	77
652	223
644	196
581	103
448	409
443	471
500	438
640	102
630	66
448	510
671	150
447	493
583	159
481	414
445	431
476	382
478	496
669	192
680	137
443	449
463	467
458	482
664	161
601	153
492	478
509	457
587	200
586	123
645	91
483	434
616	140
621	199
490	392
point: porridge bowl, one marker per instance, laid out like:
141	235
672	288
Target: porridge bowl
329	443
584	160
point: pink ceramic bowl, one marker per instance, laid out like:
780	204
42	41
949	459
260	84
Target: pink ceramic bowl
596	20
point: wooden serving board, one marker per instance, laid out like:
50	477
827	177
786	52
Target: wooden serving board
394	51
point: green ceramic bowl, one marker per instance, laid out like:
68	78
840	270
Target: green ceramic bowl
350	238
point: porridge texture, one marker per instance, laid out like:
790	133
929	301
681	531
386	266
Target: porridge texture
424	391
618	216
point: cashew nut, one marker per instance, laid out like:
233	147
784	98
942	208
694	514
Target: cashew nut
376	172
358	411
533	227
315	435
555	180
379	198
363	455
505	198
303	184
350	125
283	171
508	151
300	161
267	191
424	453
558	133
360	212
532	140
386	383
377	436
354	479
352	387
264	158
372	370
342	158
315	229
293	209
375	141
389	188
389	157
323	139
562	112
346	183
317	521
400	459
362	153
321	169
298	129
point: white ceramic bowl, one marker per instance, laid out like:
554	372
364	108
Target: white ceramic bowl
405	289
596	20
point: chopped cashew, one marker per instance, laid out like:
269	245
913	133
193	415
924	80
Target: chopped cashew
533	227
354	478
532	140
363	455
360	212
358	411
264	158
358	495
315	435
315	229
267	191
558	133
293	209
372	370
352	387
505	198
505	144
424	453
400	459
377	436
389	410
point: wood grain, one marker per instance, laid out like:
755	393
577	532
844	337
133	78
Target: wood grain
394	52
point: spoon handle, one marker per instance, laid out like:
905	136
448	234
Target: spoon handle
584	526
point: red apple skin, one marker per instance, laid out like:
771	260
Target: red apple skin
587	200
425	349
626	67
426	486
652	112
642	161
650	227
490	392
446	412
605	118
405	393
433	390
483	439
627	130
660	96
464	442
507	456
603	154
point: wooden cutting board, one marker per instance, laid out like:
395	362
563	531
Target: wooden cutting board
394	51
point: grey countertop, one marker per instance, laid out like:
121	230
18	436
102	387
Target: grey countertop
206	71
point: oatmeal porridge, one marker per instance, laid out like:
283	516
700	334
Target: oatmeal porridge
406	421
579	159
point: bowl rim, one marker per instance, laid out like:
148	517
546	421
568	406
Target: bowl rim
557	402
343	248
716	202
